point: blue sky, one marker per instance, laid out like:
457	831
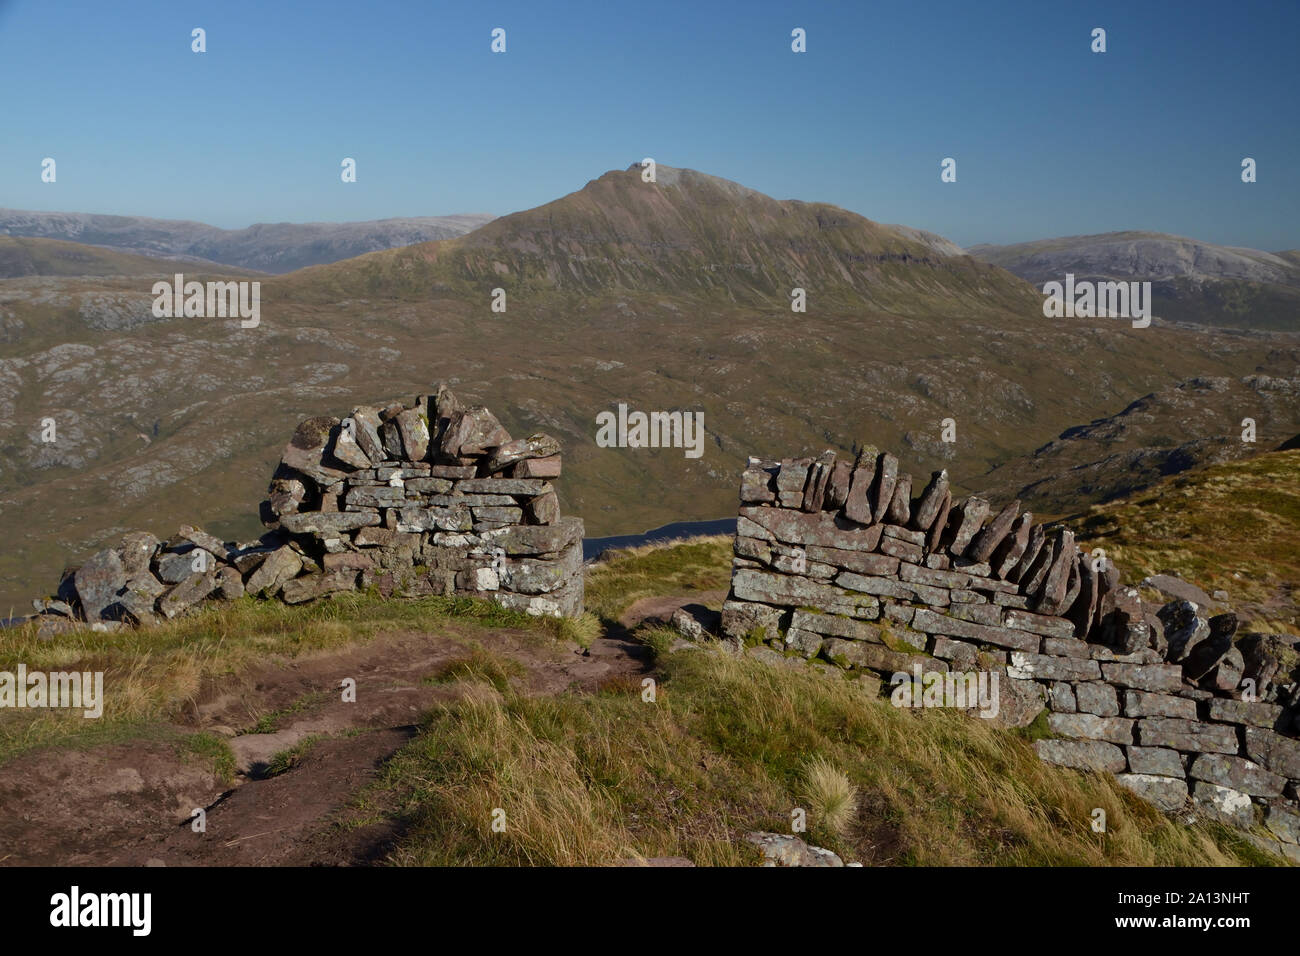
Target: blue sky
1050	139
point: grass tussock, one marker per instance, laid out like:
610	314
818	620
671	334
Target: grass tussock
831	795
731	745
481	666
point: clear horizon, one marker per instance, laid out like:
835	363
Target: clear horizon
1050	138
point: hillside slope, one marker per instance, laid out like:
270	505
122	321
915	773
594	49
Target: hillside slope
1233	526
53	257
1192	424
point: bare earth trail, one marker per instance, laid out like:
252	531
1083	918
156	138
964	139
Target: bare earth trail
130	803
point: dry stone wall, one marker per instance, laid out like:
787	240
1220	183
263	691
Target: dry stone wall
411	500
843	564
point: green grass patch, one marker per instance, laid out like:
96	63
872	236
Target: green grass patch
696	564
210	751
268	723
480	665
286	760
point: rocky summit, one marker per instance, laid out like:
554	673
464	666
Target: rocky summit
408	500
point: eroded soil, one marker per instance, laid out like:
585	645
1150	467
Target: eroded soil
132	803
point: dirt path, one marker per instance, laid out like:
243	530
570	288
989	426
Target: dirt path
131	803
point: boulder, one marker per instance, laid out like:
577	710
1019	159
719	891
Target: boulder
1173	588
964	522
1237	773
1166	793
1033	545
1054	596
819	476
471	432
201	539
136	551
927	506
1224	804
413	429
758	482
1095	755
1186	735
329	524
366	425
542	509
934	536
748	619
989	538
883	489
306	453
837	487
346	448
538	467
312	586
791	481
521	449
230	586
899	511
1184	628
185	595
1226	676
1123	621
285	496
1203	655
779	849
1260	660
1159	761
278	567
98	583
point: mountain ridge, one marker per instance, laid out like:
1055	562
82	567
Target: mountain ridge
264	247
1192	280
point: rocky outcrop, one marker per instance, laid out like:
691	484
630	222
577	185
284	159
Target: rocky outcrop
838	565
431	498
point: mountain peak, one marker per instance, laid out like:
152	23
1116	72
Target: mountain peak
684	178
690	232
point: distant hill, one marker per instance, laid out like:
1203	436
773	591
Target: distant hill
1191	281
264	247
54	257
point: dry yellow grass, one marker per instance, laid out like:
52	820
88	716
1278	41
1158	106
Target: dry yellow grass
831	795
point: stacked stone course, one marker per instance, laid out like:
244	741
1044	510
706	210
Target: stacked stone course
838	564
431	498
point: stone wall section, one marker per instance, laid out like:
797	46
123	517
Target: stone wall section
411	500
843	564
